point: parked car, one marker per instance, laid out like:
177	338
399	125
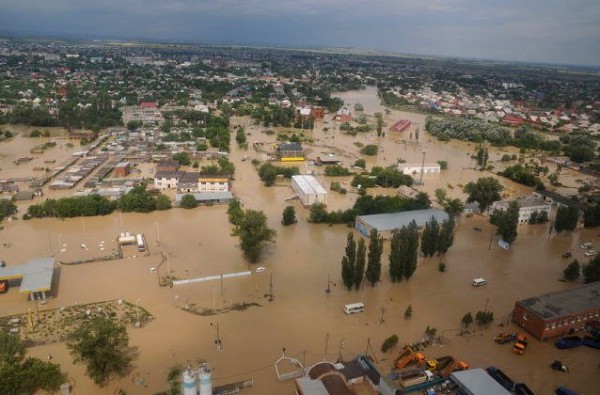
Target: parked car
568	342
586	245
589	253
567	254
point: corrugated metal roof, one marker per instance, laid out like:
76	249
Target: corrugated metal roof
308	184
311	387
477	382
390	221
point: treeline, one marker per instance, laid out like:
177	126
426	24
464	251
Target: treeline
137	200
388	177
366	205
477	130
268	173
523	175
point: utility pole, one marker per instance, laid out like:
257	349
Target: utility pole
422	168
328	290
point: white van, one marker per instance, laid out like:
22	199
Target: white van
354	308
478	282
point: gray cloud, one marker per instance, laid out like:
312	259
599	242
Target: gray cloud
563	31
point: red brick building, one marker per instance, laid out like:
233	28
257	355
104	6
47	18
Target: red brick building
557	313
122	169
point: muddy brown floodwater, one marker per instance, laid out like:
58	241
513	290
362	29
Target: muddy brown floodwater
301	315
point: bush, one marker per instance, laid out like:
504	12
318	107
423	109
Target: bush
389	343
188	201
408	312
484	317
370	150
443	164
442	267
572	271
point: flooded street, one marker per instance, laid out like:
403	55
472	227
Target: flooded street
301	316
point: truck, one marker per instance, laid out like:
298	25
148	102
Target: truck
568	342
503	338
452	366
501	378
520	345
412	376
439	363
523	389
407	357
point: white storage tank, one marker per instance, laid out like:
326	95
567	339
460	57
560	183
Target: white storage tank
205	378
190	386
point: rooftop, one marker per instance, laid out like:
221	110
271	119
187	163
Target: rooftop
385	222
564	303
36	274
477	381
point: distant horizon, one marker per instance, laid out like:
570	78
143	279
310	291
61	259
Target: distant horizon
555	32
42	36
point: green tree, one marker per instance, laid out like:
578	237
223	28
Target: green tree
484	191
183	158
591	271
566	218
268	174
102	345
454	207
373	273
370	150
289	216
235	212
361	163
506	222
137	200
163	202
430	237
408	312
396	267
410	245
317	213
446	238
389	343
379	124
359	266
7	208
240	136
484	317
467	320
572	271
347	273
188	201
441	195
253	232
133	125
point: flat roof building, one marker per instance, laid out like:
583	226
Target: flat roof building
477	382
386	223
36	276
557	313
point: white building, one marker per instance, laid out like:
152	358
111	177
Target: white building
527	206
167	179
309	190
412	169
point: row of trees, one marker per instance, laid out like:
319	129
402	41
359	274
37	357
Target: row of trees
436	239
506	222
403	252
523	175
356	257
591	271
268	173
388	177
137	200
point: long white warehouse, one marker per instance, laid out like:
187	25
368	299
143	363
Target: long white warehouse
309	190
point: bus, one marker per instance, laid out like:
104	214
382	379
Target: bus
141	244
354	308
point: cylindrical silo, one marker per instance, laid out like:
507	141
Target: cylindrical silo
205	377
190	386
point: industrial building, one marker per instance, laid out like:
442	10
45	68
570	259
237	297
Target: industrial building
412	169
558	313
477	382
220	197
36	277
386	223
309	190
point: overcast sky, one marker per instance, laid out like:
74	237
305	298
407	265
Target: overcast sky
553	31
